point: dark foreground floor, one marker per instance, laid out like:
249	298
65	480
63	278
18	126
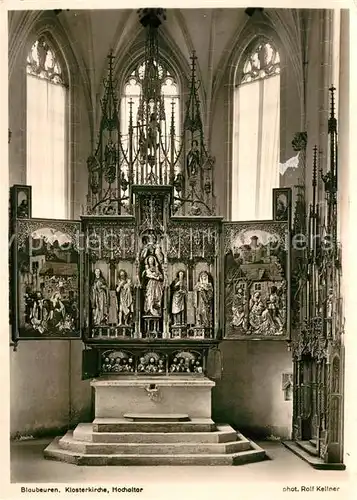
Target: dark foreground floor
29	466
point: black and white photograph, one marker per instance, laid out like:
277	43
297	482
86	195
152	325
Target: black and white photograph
178	276
256	280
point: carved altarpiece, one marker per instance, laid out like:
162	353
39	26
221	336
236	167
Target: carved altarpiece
317	314
151	268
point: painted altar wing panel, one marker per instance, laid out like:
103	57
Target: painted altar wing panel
256	280
47	263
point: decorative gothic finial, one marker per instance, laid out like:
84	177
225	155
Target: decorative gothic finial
332	123
146	148
299	141
103	165
196	195
314	170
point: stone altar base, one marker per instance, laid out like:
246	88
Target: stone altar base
153	421
115	397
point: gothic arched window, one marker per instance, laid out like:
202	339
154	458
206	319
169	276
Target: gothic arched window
256	133
47	138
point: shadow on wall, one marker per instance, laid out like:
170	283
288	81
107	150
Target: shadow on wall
47	394
249	395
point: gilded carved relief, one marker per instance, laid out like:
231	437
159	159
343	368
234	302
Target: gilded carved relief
256	284
152	362
150	281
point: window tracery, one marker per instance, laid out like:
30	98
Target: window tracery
263	62
43	62
46	111
133	89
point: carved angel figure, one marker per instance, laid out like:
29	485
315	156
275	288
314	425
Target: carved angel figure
151	247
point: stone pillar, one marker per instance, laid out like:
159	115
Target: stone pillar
4	185
347	152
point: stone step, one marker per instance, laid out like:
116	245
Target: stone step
152	417
315	461
183	448
123	425
223	434
53	451
308	447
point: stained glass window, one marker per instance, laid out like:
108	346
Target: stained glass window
256	133
47	153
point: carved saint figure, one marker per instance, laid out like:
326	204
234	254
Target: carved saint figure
193	159
39	313
23	209
58	312
100	298
204	300
179	294
173	365
124	298
149	144
130	365
93	171
153	288
256	310
151	367
141	365
329	304
239	309
161	366
274	308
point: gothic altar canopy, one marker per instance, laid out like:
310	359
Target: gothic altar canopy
151	278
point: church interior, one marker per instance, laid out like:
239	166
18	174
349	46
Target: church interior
178	190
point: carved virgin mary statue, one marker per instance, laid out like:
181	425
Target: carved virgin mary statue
100	299
153	285
204	300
